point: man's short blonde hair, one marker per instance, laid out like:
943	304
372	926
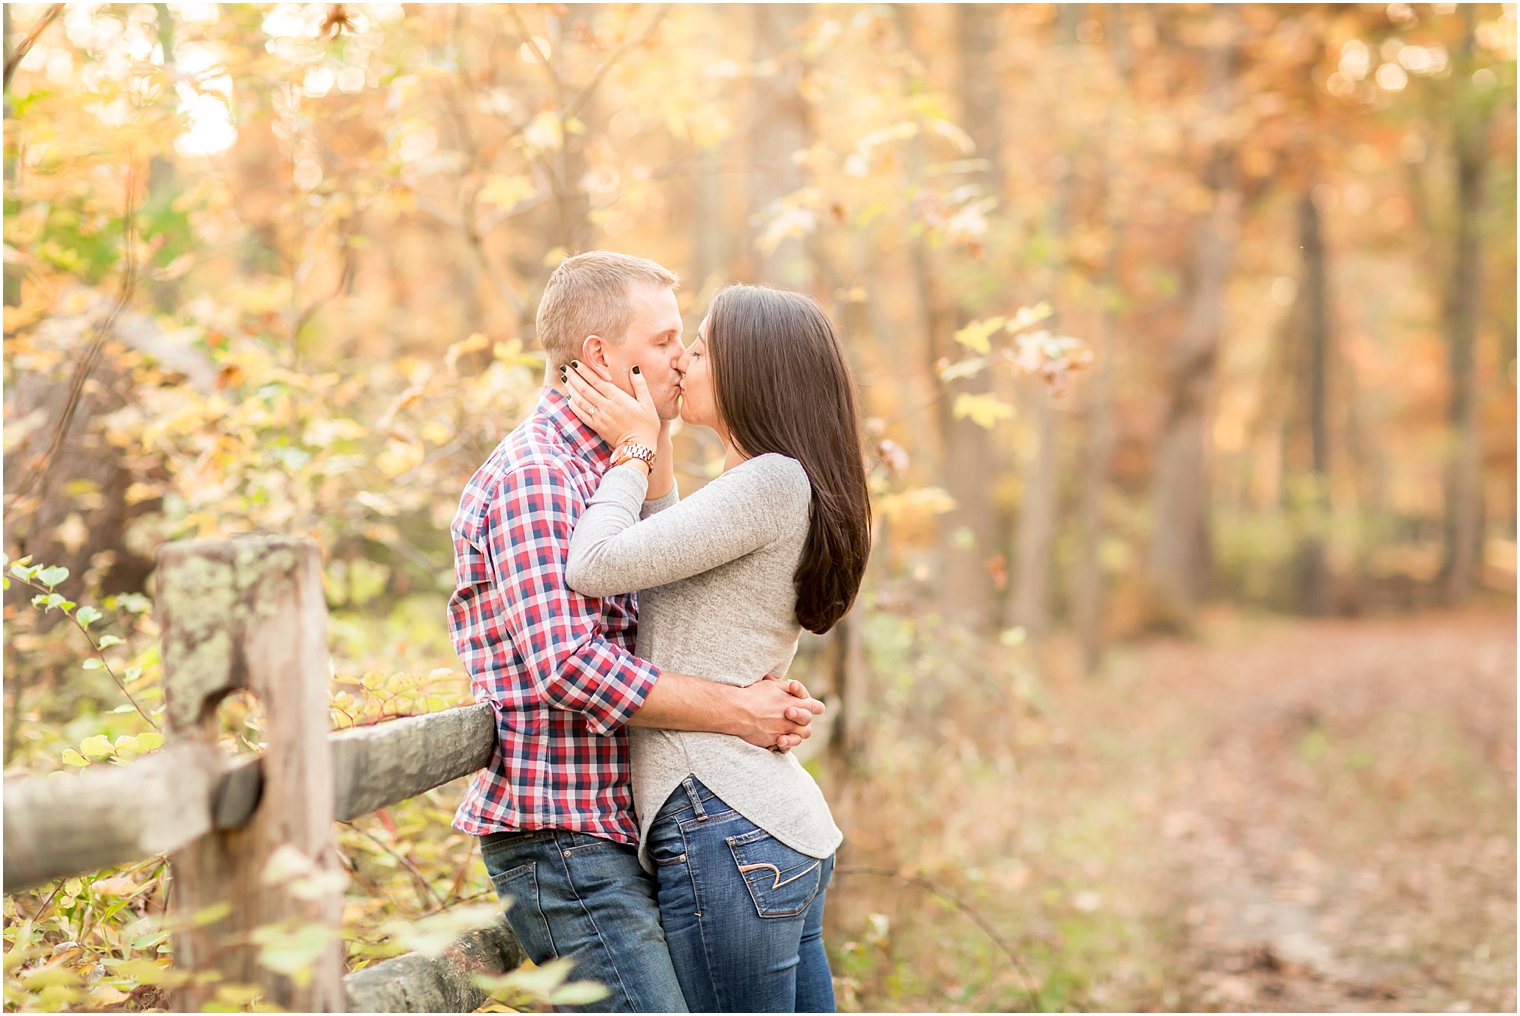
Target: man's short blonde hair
588	295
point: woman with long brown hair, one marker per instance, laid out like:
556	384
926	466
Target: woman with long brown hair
740	838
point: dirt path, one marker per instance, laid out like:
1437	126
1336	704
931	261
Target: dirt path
1279	816
1338	814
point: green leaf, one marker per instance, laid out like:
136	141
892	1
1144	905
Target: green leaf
93	664
210	915
24	572
107	641
50	577
146	971
292	951
579	993
149	741
98	746
73	758
87	616
49	601
433	934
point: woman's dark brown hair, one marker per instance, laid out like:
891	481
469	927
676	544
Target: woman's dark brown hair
782	385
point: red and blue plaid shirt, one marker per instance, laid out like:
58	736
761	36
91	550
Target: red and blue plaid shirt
557	667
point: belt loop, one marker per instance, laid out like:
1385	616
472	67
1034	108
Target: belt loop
690	786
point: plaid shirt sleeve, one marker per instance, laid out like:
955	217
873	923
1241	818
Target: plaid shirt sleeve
556	632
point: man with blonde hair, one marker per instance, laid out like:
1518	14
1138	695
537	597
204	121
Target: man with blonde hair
554	809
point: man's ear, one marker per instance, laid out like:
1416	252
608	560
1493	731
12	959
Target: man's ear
594	354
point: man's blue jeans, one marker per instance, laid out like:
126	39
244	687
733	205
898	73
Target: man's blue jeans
743	912
586	898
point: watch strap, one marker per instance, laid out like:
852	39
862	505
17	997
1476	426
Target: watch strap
643	453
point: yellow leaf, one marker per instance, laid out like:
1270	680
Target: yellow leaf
544	133
983	410
139	492
398	457
115	885
104	995
1026	316
505	191
436	432
978	334
472	344
72	532
919	502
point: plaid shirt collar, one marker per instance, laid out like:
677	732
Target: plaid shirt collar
554	407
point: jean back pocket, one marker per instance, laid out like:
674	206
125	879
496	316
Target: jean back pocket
518	891
781	881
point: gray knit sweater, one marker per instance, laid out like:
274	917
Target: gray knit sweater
714	576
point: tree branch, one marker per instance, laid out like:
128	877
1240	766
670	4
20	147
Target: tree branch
41	465
617	54
14	60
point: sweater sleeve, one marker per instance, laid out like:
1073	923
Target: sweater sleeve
658	504
747	508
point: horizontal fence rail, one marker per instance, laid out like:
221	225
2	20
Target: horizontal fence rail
67	824
417	983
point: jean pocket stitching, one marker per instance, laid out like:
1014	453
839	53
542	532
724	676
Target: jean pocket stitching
581	848
526	901
708	819
778	882
515	873
736	845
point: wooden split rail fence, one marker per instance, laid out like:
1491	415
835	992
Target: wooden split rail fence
249	613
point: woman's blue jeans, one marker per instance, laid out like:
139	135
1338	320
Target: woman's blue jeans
742	911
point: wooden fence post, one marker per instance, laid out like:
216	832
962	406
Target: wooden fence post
249	613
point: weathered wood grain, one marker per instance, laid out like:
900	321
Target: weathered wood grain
417	983
389	762
57	826
250	612
67	824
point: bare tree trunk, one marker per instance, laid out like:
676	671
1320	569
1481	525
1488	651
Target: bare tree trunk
572	204
782	127
1029	607
1088	595
1311	570
966	584
1179	563
1463	531
1035	537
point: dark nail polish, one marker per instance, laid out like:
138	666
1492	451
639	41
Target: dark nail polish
576	364
637	371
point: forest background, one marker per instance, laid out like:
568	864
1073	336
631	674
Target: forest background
1170	324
